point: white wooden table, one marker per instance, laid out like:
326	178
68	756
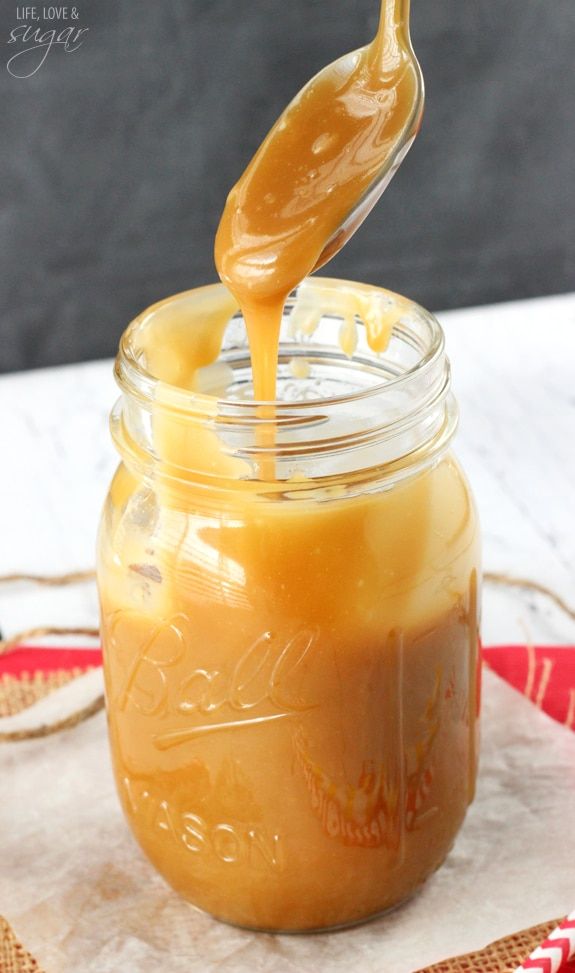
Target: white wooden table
514	377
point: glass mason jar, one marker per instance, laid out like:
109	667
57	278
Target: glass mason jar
289	599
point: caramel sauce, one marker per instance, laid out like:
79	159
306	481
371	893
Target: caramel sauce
292	697
319	160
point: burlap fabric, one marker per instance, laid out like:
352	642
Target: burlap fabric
17	693
502	956
13	956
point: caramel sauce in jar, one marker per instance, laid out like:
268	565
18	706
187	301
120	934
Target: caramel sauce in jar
290	620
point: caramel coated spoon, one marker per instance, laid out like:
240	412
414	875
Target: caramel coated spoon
323	166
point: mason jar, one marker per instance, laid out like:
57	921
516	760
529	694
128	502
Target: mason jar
289	604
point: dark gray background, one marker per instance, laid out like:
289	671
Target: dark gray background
115	160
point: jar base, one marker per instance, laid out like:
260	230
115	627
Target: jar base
313	931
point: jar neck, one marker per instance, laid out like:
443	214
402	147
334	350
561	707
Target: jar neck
343	424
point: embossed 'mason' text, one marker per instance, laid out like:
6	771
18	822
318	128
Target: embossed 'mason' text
230	843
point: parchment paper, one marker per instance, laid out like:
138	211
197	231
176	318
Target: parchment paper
79	894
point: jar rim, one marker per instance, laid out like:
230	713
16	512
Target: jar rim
130	372
398	417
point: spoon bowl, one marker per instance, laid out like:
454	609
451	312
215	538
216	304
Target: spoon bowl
322	167
381	180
